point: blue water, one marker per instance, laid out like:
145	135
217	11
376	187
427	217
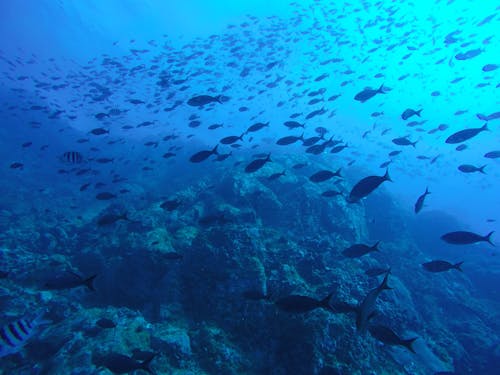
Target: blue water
172	279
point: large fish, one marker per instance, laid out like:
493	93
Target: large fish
358	250
366	310
388	337
368	93
466	238
420	201
257	164
69	280
203	155
463	135
16	334
441	266
366	186
301	304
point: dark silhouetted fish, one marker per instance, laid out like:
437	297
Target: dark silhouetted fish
104	196
463	135
171	204
420	201
358	250
324	175
330	193
122	364
73	157
466	238
368	93
257	164
293	124
275	176
203	155
16	165
201	100
469	54
215	126
492	116
231	139
492	155
111	219
366	309
388	337
289	140
222	157
99	131
364	187
441	266
302	304
467	168
257	126
15	335
403	141
69	280
311	141
409	113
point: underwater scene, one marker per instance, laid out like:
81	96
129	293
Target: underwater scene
249	187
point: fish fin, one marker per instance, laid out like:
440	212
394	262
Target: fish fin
457	266
218	98
408	344
381	89
481	169
488	238
375	247
214	150
384	285
89	283
268	157
414	143
386	175
145	364
418	112
485	127
325	302
427	190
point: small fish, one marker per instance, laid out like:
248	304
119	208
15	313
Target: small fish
257	126
72	157
111	219
201	100
330	193
420	201
463	135
26	144
441	266
466	238
368	93
122	364
99	131
231	139
104	196
215	126
289	140
275	176
467	168
16	165
409	113
461	147
403	141
203	155
324	175
302	304
69	280
358	250
492	155
15	335
256	164
171	204
293	125
388	337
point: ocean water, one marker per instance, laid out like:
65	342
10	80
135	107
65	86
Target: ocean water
149	223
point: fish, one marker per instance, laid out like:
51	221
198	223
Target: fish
409	113
324	175
231	139
492	116
111	219
256	164
203	155
463	135
492	155
105	323
289	140
170	205
275	176
467	168
469	54
366	309
368	93
358	250
403	141
461	147
337	149
301	304
293	124
257	126
121	364
215	126
367	185
222	157
99	131
419	204
168	155
104	196
374	272
330	193
388	337
201	100
311	141
466	238
72	157
104	160
15	335
69	280
441	266
16	165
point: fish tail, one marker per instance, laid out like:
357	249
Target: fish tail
386	175
419	112
481	169
325	302
268	157
145	364
457	266
381	89
89	283
409	344
414	143
337	173
214	150
488	238
384	284
485	127
375	247
427	190
218	98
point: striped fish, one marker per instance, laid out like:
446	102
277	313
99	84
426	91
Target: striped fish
15	335
73	157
